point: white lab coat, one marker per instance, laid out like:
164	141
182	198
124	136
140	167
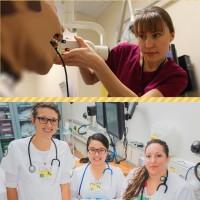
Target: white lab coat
106	188
31	186
178	189
2	185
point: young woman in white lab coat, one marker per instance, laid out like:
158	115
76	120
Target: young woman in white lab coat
153	181
97	179
39	167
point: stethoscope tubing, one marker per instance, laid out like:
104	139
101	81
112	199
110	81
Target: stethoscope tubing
32	168
80	186
164	183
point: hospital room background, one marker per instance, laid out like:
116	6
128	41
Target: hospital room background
106	23
128	125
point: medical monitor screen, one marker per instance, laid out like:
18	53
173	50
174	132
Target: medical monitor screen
172	53
115	119
100	114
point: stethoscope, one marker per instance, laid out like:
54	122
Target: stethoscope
107	168
32	167
163	183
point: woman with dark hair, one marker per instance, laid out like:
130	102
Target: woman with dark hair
153	180
97	179
39	167
135	70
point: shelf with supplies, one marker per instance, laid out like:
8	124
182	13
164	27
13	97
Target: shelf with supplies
7	127
15	123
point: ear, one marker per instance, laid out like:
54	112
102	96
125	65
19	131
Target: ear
32	120
172	36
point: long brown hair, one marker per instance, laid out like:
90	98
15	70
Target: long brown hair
151	19
141	175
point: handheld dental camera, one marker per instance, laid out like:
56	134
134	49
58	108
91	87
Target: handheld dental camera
69	44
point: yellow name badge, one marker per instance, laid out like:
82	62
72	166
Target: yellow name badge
45	173
95	186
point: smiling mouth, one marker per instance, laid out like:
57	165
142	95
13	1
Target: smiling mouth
48	131
97	159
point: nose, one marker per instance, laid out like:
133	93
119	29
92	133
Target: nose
152	159
49	124
96	153
149	42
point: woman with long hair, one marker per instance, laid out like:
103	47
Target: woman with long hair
153	181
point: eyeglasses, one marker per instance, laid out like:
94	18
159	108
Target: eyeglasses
45	120
100	151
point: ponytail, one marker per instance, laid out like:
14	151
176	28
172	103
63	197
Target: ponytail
136	184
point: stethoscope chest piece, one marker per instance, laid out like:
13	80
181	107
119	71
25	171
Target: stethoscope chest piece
162	178
32	169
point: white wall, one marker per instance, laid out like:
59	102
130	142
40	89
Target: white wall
110	20
186	15
177	123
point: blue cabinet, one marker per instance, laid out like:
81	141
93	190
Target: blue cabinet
7	126
15	123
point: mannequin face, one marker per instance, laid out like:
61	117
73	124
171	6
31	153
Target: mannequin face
27	28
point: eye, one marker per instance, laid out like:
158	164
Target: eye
142	36
43	118
91	149
148	156
34	6
7	8
54	120
102	150
156	35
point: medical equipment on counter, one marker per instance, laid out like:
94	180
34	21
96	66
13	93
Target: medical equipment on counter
32	168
